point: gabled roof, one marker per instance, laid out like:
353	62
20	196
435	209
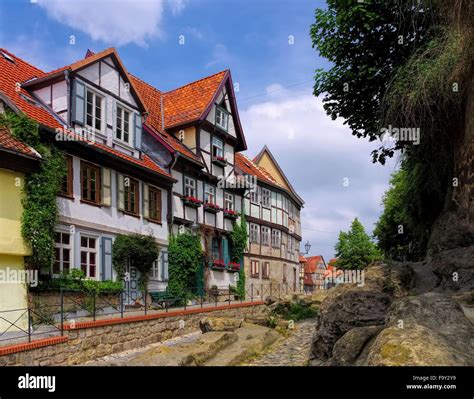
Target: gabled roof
190	102
89	59
246	166
153	100
313	263
14	70
11	144
303	259
280	177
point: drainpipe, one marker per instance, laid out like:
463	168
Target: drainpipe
169	167
68	96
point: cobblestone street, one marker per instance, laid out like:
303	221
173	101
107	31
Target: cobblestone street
292	351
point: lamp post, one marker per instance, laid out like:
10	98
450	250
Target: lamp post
307	247
194	227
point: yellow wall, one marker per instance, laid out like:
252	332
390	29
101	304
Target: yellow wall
266	162
189	137
11	184
12	296
12	248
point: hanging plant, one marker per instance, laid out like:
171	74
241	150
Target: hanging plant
40	209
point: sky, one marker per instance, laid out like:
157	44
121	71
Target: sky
265	44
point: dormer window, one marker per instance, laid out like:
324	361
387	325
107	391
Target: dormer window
122	130
217	147
222	117
94	110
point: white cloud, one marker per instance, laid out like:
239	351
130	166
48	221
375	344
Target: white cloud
220	56
115	22
316	154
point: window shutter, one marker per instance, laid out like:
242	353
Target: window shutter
120	193
78	102
146	203
138	131
225	251
158	205
106	187
107	258
164	265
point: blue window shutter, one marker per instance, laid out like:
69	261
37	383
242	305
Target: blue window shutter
138	131
107	258
225	251
79	102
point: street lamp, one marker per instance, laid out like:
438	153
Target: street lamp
194	227
307	247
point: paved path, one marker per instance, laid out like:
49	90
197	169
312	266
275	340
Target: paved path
292	351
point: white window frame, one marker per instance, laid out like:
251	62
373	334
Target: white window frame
276	238
228	201
266	198
222	118
265	235
254	196
118	107
93	115
61	248
209	192
219	144
187	184
254	233
89	250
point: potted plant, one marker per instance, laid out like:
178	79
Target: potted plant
231	214
210	207
218	264
219	161
192	201
233	267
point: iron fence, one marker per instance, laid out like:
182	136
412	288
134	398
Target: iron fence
47	316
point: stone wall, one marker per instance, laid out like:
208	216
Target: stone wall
91	340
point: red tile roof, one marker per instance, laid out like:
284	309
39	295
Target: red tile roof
152	98
8	142
313	263
189	102
247	166
303	259
20	71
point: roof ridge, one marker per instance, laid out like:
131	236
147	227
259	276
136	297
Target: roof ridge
146	83
195	81
20	59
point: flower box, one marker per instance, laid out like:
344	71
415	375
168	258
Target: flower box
218	265
192	202
233	267
213	208
230	214
219	161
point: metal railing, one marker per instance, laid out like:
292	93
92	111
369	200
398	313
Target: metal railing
50	315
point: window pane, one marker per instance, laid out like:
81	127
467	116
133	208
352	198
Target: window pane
65	238
83	242
91	242
66	255
57	237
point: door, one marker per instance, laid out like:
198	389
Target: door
131	293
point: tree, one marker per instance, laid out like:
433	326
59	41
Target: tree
402	64
354	250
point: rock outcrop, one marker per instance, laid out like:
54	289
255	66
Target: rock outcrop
383	324
209	324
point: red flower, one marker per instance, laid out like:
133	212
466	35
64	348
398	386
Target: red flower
218	158
218	263
193	199
211	205
230	212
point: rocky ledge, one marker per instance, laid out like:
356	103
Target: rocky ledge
384	323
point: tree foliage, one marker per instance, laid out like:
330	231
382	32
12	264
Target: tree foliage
238	239
185	257
136	250
404	64
40	209
354	250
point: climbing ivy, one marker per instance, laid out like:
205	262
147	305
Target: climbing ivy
185	257
40	210
138	250
238	238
